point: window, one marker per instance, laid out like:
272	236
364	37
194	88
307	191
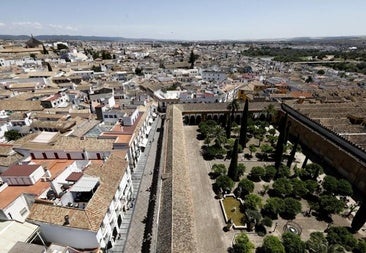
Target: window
23	211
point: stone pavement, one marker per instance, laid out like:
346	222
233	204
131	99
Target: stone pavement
132	228
209	219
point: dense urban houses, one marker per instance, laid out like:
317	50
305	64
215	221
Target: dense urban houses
98	139
74	183
90	207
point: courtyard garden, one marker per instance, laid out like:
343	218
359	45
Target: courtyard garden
290	203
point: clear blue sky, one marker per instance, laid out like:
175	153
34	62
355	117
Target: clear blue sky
188	19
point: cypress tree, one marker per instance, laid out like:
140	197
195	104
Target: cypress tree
305	162
228	127
280	142
359	219
244	125
287	131
233	168
293	151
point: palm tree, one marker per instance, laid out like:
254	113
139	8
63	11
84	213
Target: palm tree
219	135
233	106
280	142
244	125
270	112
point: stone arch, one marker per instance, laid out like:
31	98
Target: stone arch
186	120
237	118
222	120
198	119
192	120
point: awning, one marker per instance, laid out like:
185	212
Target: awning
85	184
143	143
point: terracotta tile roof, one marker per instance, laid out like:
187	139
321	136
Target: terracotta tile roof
74	176
9	160
177	233
20	170
5	149
9	194
21	105
64	143
90	218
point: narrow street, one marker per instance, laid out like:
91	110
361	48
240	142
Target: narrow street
131	236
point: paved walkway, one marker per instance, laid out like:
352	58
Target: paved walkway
132	227
209	219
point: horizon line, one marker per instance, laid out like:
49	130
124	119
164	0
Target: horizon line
142	38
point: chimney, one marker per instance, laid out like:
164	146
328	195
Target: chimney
66	222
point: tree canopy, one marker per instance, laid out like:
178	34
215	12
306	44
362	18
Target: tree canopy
290	208
317	243
271	244
283	187
246	186
225	183
293	243
242	244
272	207
311	171
341	235
12	135
256	173
218	169
329	204
253	201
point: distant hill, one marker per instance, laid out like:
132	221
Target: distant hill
106	38
14	37
327	38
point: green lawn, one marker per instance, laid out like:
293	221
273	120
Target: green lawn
232	209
